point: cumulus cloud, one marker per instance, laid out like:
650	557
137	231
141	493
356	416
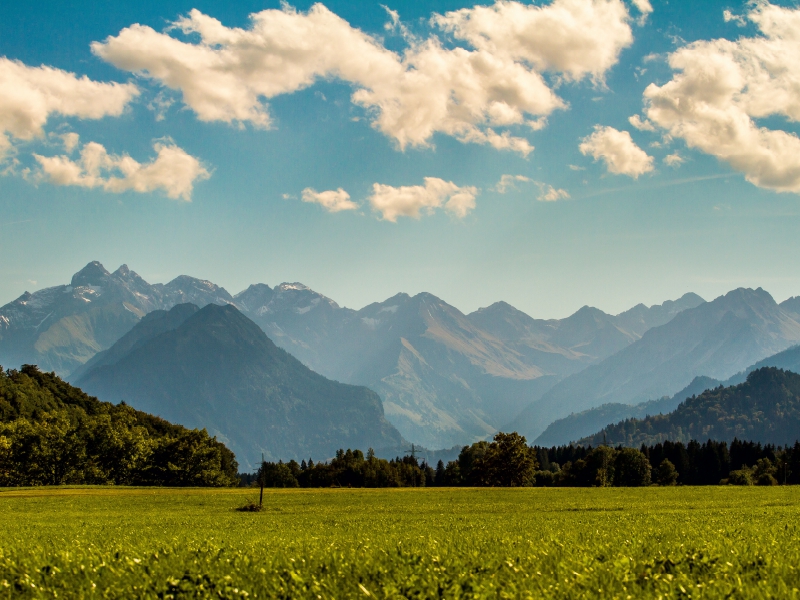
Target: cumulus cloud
508	182
30	95
618	150
673	160
331	200
738	19
473	93
641	124
573	37
172	171
70	141
410	201
720	89
547	193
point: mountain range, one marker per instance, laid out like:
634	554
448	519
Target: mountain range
214	368
583	424
445	378
716	339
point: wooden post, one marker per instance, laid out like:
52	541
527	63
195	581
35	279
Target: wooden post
261	479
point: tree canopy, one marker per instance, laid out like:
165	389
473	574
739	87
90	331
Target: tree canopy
52	433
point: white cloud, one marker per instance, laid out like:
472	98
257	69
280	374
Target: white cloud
472	93
160	105
30	95
70	141
674	160
644	6
618	150
331	200
508	182
720	88
641	124
577	38
547	193
576	168
738	19
172	171
409	201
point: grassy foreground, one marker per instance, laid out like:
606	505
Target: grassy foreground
711	542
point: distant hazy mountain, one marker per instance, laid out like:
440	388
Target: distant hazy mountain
792	305
446	378
566	346
215	368
62	327
765	408
297	319
582	424
151	325
443	380
716	339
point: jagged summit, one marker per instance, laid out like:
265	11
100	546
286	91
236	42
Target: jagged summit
61	327
93	274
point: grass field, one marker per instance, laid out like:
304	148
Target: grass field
712	542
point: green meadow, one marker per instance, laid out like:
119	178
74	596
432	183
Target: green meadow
685	542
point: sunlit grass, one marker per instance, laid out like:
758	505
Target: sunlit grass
711	542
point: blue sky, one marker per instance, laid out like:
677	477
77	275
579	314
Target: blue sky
649	232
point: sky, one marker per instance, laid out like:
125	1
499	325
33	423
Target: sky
549	154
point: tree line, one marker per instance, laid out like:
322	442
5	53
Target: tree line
508	461
52	433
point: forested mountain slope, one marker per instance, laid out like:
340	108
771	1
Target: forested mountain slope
582	424
765	408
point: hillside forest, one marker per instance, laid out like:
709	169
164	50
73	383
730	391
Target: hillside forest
52	433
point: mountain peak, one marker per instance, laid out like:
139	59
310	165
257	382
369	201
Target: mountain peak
285	286
93	274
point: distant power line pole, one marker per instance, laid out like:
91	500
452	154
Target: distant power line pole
413	453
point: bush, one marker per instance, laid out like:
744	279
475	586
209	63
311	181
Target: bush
740	477
767	479
545	479
667	474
